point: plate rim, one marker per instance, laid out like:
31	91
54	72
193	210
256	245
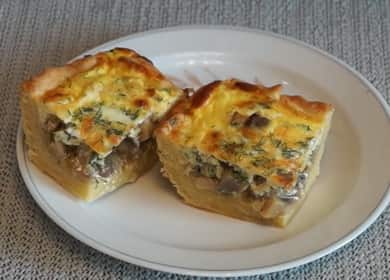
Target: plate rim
89	241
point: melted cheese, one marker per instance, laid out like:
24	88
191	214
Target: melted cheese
277	151
109	102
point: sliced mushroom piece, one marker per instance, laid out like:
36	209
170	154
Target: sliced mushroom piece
259	180
85	154
256	121
195	171
101	167
211	170
127	148
71	150
106	169
230	185
53	124
146	130
237	119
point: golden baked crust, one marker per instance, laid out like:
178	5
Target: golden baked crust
88	124
251	134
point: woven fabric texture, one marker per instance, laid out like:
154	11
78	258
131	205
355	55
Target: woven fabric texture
37	34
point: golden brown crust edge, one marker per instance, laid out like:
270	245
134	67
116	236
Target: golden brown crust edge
313	110
52	77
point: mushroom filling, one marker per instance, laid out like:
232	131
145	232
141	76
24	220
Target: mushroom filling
231	180
83	159
252	121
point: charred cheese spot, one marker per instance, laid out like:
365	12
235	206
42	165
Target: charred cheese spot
141	103
249	133
246	86
114	139
215	135
245	104
86	126
211	140
150	92
140	67
53	96
202	95
284	178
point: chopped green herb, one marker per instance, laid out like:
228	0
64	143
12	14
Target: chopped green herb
276	142
79	113
87	109
290	153
210	170
158	98
283	172
232	147
305	144
97	118
240	176
260	162
259	147
302	144
172	121
96	182
132	114
101	122
304	126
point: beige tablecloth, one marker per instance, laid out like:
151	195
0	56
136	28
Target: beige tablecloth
36	34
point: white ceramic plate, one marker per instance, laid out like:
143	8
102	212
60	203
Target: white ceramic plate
146	224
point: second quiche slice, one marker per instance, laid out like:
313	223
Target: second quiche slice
88	124
244	150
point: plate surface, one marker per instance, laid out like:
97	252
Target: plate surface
146	223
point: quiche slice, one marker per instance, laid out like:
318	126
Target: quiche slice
89	124
244	150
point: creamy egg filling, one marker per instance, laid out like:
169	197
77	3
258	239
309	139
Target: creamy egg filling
226	178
